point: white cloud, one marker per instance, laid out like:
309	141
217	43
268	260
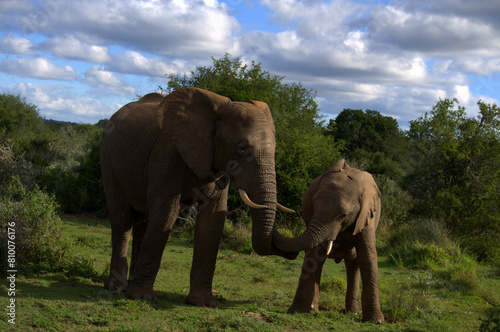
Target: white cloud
462	93
37	68
69	47
105	82
479	65
15	45
95	75
355	40
57	102
182	28
314	18
131	62
435	34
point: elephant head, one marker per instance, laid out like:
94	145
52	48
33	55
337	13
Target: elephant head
342	199
221	140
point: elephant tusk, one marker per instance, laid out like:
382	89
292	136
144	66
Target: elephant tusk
284	208
329	248
328	245
249	202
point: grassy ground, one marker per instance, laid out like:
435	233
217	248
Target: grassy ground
254	293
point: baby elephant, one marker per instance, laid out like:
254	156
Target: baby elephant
342	210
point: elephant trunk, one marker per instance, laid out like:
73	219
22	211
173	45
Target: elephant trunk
263	218
315	233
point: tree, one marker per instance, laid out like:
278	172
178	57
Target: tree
372	140
455	174
303	151
24	135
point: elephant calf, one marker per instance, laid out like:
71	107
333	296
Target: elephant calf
342	210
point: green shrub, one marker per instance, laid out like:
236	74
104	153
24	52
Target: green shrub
237	237
407	299
76	181
33	218
492	322
396	204
425	245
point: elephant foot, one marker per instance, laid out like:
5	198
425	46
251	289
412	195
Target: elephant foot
353	307
300	309
115	284
202	299
376	318
137	292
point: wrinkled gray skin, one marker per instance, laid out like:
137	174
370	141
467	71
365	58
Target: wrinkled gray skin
342	205
160	154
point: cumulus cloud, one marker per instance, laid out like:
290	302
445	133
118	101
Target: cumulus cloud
131	62
15	45
105	82
431	33
58	102
37	68
69	47
178	28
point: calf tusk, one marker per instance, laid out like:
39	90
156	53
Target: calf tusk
328	245
284	208
329	248
248	201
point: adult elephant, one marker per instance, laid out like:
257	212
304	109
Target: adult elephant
164	152
341	209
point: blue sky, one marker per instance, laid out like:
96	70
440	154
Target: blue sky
81	60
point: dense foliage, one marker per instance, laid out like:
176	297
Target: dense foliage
30	221
62	158
374	140
455	174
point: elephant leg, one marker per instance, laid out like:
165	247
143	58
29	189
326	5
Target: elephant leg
367	259
352	294
307	294
121	217
161	216
208	230
137	236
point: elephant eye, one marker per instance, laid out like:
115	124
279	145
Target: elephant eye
242	148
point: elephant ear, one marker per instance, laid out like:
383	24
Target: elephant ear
189	116
369	213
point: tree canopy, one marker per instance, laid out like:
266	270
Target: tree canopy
373	139
455	172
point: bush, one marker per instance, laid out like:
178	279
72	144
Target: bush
408	298
455	175
32	214
11	164
76	178
237	237
396	204
425	245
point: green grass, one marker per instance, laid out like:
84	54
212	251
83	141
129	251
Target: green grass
254	293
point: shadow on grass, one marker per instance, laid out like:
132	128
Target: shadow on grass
84	291
86	220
